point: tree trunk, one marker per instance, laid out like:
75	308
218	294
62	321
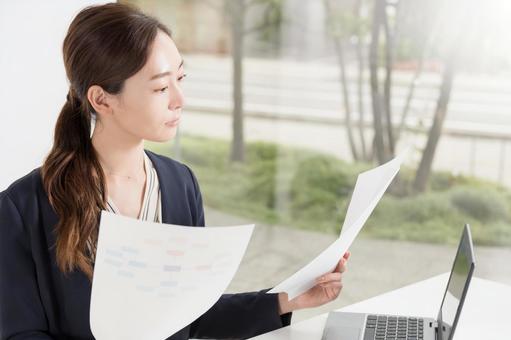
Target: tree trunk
346	99
339	51
418	72
387	92
379	142
360	82
435	131
237	13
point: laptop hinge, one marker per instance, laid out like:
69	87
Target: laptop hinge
437	333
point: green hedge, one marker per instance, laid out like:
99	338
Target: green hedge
304	189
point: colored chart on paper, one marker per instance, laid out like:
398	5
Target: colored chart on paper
152	279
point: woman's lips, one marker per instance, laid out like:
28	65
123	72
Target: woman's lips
173	122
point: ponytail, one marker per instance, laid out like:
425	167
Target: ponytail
74	182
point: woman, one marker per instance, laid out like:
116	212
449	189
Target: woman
124	71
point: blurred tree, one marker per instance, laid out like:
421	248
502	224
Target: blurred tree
360	31
424	169
341	26
235	13
460	22
347	23
418	31
379	17
397	32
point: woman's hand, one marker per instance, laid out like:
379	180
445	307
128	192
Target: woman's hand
327	288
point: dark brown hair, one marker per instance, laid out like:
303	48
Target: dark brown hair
104	46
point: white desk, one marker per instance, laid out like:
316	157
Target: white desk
484	315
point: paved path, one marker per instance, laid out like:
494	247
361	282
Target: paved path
478	158
299	104
376	266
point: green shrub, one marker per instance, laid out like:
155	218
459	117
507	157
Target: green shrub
316	190
483	204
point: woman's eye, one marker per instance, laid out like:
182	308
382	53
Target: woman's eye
162	90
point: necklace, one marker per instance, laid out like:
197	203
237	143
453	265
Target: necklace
130	178
127	177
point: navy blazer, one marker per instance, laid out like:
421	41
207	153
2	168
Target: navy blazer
37	301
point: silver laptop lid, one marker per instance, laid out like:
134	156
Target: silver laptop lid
457	287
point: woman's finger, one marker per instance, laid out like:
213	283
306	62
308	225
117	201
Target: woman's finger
341	266
335	276
333	284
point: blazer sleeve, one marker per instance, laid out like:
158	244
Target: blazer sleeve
197	205
240	316
21	312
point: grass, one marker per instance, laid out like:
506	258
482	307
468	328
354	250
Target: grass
308	190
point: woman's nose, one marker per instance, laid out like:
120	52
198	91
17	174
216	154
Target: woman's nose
176	97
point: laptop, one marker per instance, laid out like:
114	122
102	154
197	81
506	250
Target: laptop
359	326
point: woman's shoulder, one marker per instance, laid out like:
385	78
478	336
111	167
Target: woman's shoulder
171	166
24	188
23	200
167	161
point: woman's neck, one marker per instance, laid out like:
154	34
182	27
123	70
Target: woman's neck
119	153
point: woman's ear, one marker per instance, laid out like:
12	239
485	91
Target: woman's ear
100	100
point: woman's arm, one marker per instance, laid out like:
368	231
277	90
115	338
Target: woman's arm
21	312
240	316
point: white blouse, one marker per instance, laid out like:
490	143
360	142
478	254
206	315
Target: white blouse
151	204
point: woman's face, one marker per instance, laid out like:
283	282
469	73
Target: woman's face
149	106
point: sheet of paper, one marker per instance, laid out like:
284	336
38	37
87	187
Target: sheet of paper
369	189
151	279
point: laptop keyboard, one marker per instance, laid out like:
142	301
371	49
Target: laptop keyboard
384	327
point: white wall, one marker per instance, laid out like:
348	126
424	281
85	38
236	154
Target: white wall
33	84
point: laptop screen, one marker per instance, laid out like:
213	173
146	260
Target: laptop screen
456	287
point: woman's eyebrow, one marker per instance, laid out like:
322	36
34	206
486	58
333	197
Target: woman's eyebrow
166	73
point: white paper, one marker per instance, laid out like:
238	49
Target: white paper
151	279
369	189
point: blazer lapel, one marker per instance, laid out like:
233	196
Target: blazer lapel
163	174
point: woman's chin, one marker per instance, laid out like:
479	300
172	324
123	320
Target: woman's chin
162	135
166	136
